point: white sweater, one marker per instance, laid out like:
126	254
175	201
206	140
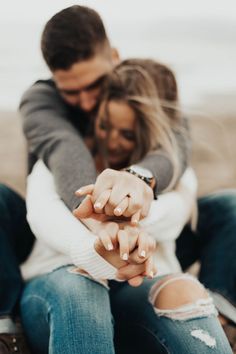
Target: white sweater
62	239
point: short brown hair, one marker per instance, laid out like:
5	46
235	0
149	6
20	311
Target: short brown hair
73	34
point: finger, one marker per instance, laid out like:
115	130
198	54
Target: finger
85	190
85	209
109	210
151	244
118	194
123	244
113	229
135	203
102	201
147	202
106	240
136	281
150	268
133	234
121	207
135	259
130	271
135	218
143	244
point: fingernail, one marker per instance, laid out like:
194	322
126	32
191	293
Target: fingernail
97	205
110	246
143	254
125	257
79	191
135	222
118	210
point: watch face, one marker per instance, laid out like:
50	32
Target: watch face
141	171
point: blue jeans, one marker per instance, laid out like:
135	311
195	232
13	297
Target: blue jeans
68	313
214	245
16	240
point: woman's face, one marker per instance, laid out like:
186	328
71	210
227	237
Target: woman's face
116	134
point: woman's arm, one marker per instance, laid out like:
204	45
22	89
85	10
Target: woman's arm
54	224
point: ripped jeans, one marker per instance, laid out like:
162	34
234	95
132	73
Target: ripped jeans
67	313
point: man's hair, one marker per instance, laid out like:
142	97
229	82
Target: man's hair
74	34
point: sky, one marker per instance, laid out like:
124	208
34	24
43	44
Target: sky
196	38
38	11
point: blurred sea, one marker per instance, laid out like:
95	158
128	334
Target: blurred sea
201	51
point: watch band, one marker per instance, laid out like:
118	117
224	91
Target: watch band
150	181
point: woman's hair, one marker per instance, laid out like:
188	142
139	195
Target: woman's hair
150	89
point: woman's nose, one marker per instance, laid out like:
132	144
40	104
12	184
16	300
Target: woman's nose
113	139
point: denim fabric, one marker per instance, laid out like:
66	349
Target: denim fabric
139	330
71	314
67	313
213	244
16	241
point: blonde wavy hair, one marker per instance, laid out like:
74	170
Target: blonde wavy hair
150	89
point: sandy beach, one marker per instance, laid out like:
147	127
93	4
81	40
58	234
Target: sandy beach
213	126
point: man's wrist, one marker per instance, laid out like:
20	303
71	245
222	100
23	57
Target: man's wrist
144	174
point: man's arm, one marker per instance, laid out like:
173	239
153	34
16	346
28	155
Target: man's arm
160	164
53	138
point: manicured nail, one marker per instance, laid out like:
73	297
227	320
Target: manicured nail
125	257
97	205
143	254
118	210
110	246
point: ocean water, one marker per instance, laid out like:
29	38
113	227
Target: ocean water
202	52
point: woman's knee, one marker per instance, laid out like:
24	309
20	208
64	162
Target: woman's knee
181	297
68	295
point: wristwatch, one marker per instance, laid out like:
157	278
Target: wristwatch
142	173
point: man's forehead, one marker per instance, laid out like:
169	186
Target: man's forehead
83	73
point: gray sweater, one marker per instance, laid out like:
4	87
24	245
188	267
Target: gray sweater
55	132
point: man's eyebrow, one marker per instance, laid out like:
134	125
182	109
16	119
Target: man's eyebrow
88	87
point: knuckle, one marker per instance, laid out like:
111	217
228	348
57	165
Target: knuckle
136	205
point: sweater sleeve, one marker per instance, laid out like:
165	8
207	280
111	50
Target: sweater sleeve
160	164
53	138
173	210
52	223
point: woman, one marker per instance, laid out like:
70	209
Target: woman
73	312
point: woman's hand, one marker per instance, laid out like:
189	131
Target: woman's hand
134	244
117	193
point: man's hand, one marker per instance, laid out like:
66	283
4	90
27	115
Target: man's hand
116	193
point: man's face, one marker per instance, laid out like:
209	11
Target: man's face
80	85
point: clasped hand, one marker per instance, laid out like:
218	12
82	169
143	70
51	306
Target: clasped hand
115	195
